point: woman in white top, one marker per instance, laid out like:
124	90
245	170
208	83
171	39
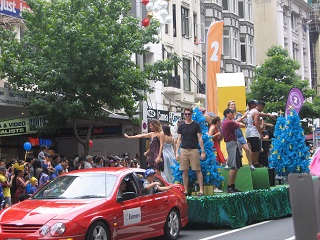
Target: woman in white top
168	153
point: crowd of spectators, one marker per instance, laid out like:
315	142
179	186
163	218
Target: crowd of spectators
21	178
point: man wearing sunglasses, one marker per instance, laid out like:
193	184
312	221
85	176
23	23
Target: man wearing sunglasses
189	136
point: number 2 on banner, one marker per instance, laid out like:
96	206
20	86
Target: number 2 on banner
215	47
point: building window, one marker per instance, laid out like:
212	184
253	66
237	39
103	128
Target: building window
226	42
225	5
235	43
241	9
249	15
195	32
243	48
234	7
250	46
185	22
186	75
286	46
294	21
295	50
174	20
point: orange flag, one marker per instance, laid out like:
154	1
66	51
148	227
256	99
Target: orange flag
214	48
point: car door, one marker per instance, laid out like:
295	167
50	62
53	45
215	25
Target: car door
131	217
159	204
155	206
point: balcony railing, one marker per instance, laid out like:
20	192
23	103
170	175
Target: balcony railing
173	81
201	87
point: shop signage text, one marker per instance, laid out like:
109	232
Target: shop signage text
13	7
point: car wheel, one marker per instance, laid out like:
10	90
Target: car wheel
172	226
98	231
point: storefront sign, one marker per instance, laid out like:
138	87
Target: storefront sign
175	116
39	141
96	131
13	7
163	116
151	113
12	98
19	126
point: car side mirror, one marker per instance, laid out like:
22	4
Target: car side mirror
126	196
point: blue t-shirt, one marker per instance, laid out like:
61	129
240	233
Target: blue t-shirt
43	179
58	168
33	189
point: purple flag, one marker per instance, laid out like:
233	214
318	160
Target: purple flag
295	101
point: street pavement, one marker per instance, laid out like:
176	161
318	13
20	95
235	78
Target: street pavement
280	229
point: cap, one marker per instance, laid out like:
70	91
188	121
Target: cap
149	172
126	154
88	157
42	147
261	103
116	158
211	114
251	102
33	179
3	169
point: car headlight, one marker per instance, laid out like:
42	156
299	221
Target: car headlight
57	229
44	230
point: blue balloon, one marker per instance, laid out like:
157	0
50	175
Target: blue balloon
27	146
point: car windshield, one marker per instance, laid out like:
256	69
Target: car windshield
82	186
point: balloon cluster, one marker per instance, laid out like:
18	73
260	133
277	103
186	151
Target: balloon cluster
157	9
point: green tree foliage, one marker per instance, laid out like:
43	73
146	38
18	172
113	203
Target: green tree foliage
76	57
274	79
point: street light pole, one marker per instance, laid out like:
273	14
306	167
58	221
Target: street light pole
139	59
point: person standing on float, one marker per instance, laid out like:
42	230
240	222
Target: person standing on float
154	153
189	136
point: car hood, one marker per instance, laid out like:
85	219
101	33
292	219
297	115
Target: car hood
41	211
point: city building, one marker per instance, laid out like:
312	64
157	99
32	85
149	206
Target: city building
284	23
238	34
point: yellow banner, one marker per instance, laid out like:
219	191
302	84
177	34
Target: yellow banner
214	48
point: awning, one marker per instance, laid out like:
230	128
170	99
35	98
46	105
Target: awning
309	137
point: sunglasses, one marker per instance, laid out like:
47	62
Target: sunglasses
188	114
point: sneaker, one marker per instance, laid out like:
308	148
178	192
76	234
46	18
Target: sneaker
258	165
230	190
236	190
226	167
252	167
217	190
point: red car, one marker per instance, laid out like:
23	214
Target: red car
87	204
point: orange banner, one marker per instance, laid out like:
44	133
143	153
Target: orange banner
214	48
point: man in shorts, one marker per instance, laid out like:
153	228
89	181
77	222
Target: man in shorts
189	136
254	131
233	147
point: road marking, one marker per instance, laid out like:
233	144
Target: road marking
233	231
292	238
